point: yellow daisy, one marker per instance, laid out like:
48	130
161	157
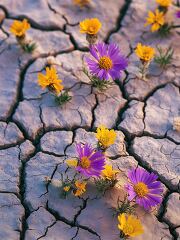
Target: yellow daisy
145	53
105	136
129	225
164	3
90	26
109	173
156	20
19	28
50	80
80	188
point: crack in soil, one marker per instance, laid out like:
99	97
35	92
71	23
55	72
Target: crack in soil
129	139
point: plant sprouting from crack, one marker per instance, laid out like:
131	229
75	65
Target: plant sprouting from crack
63	98
124	206
164	57
29	47
165	30
101	85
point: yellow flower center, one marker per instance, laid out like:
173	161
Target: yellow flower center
141	189
51	86
85	162
146	55
128	229
91	29
105	63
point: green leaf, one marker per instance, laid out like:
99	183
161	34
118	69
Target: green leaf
164	57
63	98
29	47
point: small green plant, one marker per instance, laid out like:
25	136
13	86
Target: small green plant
101	85
124	206
104	184
164	57
165	30
63	98
29	47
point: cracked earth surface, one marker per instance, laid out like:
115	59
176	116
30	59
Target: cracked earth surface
36	136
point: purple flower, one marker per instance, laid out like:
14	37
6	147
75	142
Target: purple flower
107	61
178	14
91	162
144	188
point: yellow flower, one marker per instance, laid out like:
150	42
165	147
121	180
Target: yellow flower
105	136
164	3
19	28
80	188
155	19
81	3
72	162
130	225
50	80
109	173
66	188
90	26
145	53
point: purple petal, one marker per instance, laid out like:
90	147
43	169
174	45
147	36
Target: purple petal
114	74
102	49
93	52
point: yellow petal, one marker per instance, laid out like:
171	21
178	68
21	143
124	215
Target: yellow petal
155	27
72	162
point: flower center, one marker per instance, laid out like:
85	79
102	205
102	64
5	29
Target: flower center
128	229
85	162
91	29
141	189
51	87
104	140
105	63
146	55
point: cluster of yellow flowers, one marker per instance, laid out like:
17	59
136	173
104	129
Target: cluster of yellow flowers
129	225
105	138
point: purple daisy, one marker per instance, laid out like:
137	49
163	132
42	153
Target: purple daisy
144	188
178	14
91	162
108	61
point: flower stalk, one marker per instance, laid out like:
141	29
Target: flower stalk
143	69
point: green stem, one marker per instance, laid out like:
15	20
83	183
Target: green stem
143	70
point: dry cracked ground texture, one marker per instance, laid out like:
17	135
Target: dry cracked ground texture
36	136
